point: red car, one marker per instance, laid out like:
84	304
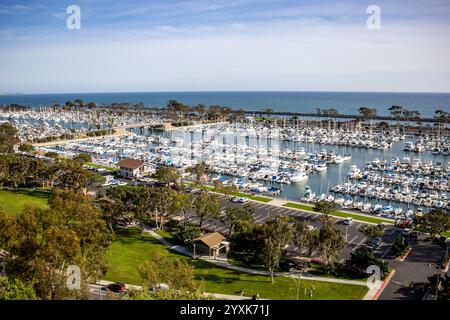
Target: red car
117	287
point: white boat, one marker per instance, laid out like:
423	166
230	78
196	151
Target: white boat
347	157
298	177
320	167
339	159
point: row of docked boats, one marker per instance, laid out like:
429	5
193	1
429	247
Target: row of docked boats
348	202
406	195
437	146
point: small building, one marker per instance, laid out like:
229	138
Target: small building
131	168
212	244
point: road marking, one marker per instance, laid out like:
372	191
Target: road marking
206	225
309	214
351	241
359	244
262	219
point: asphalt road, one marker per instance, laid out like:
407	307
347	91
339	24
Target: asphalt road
412	274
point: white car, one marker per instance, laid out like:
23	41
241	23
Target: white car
242	200
348	221
239	200
310	228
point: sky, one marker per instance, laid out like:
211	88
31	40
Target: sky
224	45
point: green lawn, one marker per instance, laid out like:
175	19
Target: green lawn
98	166
340	213
243	195
130	249
13	201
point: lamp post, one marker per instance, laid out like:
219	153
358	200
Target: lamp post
302	269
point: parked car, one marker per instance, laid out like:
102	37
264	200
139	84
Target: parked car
376	242
348	221
117	287
239	200
310	227
406	232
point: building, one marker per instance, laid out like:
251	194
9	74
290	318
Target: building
211	244
130	168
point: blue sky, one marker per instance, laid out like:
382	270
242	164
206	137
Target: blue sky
200	45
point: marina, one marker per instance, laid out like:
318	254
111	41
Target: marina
264	160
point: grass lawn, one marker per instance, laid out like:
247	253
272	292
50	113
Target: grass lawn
243	195
339	213
166	235
13	201
130	249
98	166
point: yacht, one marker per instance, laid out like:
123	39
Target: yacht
347	157
298	177
321	166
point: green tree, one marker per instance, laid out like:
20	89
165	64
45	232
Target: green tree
235	215
325	206
206	206
435	222
367	113
330	243
167	174
186	233
26	147
303	237
371	231
362	258
161	203
8	138
200	171
43	243
396	112
399	246
77	178
14	289
183	204
82	158
279	234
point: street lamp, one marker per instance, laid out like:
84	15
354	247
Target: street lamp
302	269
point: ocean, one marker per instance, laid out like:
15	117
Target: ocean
344	102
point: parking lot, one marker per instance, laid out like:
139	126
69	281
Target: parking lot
264	212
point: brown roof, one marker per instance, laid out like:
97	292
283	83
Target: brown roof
130	164
211	239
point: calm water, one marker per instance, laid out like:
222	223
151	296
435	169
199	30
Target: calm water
344	102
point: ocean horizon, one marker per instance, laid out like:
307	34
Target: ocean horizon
283	101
